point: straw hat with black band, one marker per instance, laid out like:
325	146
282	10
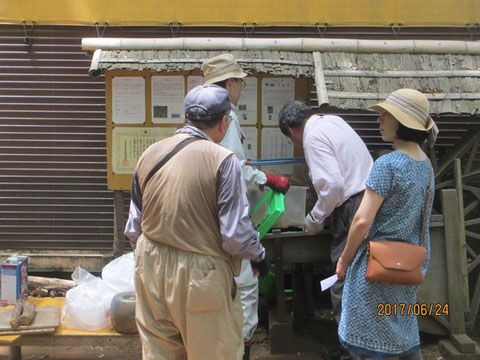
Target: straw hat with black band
410	107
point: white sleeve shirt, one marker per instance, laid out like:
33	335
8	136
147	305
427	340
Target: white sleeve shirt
338	161
233	142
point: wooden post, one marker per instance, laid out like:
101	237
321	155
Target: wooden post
14	353
280	286
118	224
453	252
320	84
461	234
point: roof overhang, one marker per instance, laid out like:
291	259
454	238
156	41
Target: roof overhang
349	74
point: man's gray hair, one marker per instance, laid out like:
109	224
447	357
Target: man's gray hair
293	115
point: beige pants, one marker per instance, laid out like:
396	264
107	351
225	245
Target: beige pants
187	305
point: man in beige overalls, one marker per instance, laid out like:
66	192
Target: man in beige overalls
192	214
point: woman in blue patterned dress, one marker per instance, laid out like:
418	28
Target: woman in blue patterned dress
392	208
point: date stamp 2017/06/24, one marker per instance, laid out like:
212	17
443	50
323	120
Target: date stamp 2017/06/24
403	309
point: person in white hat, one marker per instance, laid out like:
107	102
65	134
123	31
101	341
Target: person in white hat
190	227
224	71
394	207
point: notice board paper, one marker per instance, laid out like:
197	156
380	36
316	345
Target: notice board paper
250	142
128	143
128	100
167	98
193	81
247	103
275	93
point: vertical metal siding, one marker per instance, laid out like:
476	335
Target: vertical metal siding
53	192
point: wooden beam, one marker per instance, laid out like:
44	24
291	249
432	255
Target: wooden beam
454	258
461	234
320	85
119	224
472	156
457	152
280	286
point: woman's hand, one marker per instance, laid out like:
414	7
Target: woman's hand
342	266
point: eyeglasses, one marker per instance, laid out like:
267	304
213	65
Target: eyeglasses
244	84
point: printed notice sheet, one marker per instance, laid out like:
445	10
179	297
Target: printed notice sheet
128	100
275	145
128	143
250	142
193	81
167	98
275	93
247	103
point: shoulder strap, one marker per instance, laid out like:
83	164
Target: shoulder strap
427	209
167	157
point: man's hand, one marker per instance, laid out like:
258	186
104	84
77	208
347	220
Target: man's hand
311	226
260	269
278	183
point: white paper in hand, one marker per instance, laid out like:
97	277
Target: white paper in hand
328	282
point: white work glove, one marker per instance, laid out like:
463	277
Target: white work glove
311	226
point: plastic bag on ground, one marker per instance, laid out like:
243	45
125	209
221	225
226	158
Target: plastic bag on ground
87	306
119	274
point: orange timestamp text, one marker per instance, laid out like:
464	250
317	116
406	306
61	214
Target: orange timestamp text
403	309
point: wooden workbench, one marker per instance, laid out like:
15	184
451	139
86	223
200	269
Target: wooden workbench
65	337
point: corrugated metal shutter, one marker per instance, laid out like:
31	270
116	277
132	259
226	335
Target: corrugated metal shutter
53	192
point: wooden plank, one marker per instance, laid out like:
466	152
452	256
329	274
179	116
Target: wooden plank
45	317
457	167
49	330
453	253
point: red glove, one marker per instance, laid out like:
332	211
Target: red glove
278	183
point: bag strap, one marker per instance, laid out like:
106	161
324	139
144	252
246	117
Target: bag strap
427	209
167	157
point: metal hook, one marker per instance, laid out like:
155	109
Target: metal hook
28	34
179	25
323	29
97	26
396	29
247	34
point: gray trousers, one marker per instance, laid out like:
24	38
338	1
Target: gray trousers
341	219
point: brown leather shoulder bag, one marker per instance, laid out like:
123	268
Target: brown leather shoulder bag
397	262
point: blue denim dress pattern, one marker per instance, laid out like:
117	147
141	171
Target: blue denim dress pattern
402	182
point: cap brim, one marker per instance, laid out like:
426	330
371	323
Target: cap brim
404	118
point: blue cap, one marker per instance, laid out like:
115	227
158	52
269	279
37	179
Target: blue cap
212	99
